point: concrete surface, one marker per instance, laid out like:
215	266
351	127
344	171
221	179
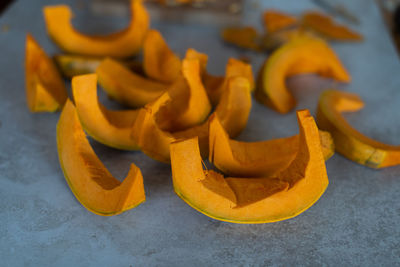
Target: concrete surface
356	222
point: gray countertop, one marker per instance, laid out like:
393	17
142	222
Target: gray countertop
356	221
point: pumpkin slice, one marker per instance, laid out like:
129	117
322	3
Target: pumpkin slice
125	86
299	56
159	62
189	101
348	141
243	37
252	200
256	159
233	111
45	89
125	43
326	26
275	20
108	127
92	184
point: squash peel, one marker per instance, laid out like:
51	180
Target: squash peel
252	200
108	127
299	56
127	87
348	141
45	89
125	43
159	62
92	184
256	159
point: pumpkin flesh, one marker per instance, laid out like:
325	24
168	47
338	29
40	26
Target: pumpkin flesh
108	127
250	200
348	141
299	56
45	89
92	184
125	43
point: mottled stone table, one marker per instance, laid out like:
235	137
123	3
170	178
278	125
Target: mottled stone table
356	222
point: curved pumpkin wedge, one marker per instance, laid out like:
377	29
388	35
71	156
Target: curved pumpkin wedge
275	20
256	159
233	111
45	89
299	56
189	101
326	26
127	87
92	184
112	128
159	62
252	200
125	43
348	141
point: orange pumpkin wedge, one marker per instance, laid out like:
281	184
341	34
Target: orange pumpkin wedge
89	180
189	101
125	43
233	111
299	56
108	127
127	87
243	37
45	89
348	141
159	61
255	159
275	20
73	65
326	26
252	200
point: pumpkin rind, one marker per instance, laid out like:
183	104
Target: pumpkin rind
45	89
299	56
121	44
249	200
92	184
348	141
108	127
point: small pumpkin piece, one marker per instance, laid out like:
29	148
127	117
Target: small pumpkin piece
233	111
125	43
45	89
249	200
92	184
127	87
244	37
159	61
326	26
276	20
348	141
111	128
256	159
189	104
299	56
73	65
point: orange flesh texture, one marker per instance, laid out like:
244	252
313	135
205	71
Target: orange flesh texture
348	141
89	180
125	86
299	56
325	25
189	104
255	159
112	128
250	200
159	61
121	44
244	37
275	20
233	111
45	89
